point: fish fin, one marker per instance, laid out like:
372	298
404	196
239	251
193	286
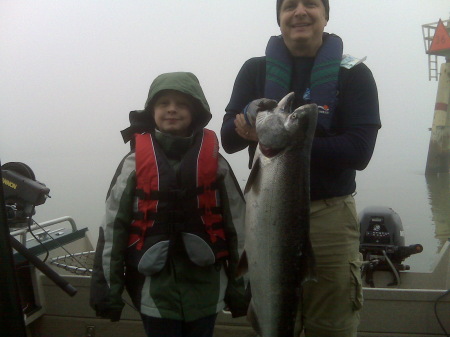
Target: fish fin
242	267
253	172
307	263
253	318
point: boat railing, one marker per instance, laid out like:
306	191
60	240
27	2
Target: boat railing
22	232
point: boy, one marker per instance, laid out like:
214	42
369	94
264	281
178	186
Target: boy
174	219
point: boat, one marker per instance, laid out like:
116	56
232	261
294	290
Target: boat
404	309
54	300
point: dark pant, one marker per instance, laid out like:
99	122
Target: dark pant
163	327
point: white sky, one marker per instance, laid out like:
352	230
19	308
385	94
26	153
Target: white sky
72	70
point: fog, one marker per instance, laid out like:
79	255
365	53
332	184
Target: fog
72	70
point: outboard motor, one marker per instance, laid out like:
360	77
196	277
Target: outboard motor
382	243
22	193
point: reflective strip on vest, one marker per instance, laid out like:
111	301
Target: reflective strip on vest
206	176
147	177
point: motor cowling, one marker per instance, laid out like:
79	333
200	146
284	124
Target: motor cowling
382	239
381	226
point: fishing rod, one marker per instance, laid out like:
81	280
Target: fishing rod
45	269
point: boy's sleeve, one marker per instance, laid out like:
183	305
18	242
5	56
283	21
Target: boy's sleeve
107	281
234	216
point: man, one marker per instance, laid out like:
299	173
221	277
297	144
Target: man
310	63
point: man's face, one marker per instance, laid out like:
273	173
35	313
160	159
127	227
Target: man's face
173	113
302	23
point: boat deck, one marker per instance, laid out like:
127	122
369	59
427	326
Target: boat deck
402	311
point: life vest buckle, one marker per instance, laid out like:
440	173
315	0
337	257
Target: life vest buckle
177	194
208	191
176	216
176	227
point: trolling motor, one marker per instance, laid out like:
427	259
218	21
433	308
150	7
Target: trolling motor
382	243
22	193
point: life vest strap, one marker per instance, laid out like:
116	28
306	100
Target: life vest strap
174	228
172	216
175	194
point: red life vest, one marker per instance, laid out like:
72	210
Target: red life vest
170	204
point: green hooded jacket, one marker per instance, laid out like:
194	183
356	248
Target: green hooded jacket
181	290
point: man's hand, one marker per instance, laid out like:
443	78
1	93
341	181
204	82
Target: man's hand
245	122
261	104
245	130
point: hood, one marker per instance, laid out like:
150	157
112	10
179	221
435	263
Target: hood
186	83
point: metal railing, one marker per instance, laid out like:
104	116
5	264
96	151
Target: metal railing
22	233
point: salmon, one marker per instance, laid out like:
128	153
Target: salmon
278	254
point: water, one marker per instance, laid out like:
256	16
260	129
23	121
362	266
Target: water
422	203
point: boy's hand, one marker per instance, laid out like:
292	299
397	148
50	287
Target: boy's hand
113	315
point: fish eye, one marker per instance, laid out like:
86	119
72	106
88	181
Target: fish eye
294	115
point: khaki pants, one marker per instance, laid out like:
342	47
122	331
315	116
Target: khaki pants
330	307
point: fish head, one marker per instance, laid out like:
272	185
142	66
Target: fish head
281	128
301	123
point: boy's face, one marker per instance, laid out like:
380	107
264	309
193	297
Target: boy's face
173	113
